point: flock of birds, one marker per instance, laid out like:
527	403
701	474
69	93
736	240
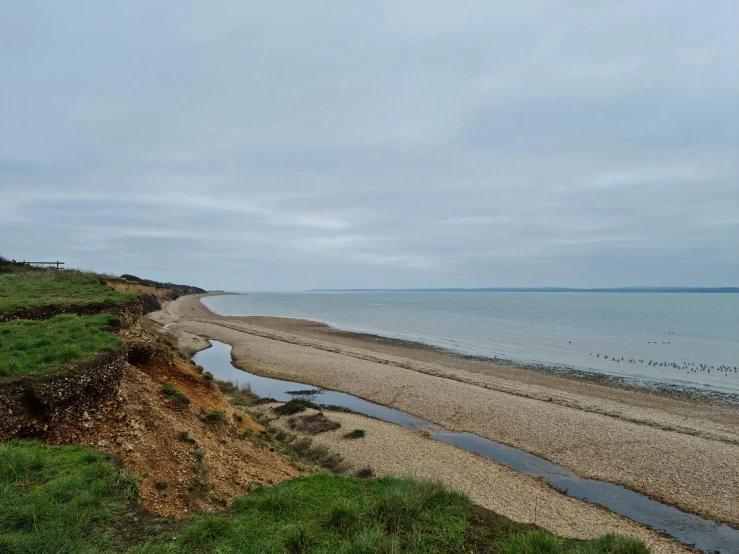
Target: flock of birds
688	367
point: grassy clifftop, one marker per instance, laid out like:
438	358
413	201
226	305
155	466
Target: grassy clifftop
34	289
35	347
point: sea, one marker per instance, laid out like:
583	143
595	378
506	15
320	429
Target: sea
654	339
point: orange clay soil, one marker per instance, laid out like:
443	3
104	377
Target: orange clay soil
178	474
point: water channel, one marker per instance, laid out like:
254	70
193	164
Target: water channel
690	529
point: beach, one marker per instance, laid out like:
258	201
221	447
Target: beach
677	450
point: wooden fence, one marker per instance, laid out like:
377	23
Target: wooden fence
57	263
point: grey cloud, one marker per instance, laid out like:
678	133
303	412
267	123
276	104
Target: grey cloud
285	146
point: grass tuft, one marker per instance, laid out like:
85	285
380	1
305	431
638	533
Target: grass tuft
177	395
531	542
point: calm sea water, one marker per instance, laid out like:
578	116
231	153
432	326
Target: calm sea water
576	330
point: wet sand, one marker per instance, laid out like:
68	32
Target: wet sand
679	452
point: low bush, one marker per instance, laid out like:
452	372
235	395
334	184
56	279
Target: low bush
227	387
216	416
238	396
356	434
364	473
184	436
317	455
294	406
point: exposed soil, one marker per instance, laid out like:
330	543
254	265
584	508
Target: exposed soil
184	461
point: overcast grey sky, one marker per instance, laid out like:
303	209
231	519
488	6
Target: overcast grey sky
292	145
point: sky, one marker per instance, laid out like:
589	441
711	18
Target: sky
297	145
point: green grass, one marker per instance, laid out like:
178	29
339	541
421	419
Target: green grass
72	500
58	499
37	347
32	289
8	266
331	514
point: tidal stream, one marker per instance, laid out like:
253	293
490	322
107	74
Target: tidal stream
704	534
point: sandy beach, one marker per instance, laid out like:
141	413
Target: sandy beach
678	451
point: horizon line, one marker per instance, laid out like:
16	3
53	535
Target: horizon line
657	288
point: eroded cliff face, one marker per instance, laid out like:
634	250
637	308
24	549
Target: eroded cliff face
33	405
116	402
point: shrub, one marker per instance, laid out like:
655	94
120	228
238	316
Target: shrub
317	455
238	396
294	406
216	416
184	436
364	473
356	434
227	387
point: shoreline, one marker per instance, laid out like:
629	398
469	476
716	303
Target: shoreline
685	392
678	452
690	393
